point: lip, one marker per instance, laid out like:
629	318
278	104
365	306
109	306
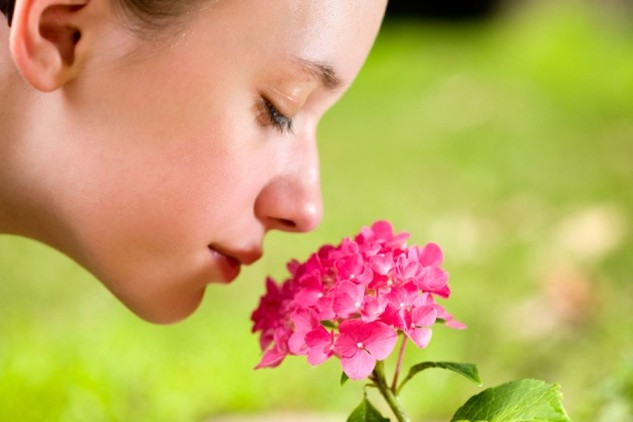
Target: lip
230	262
228	265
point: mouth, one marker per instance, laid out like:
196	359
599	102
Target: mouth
228	265
230	262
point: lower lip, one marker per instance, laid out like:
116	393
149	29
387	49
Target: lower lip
229	267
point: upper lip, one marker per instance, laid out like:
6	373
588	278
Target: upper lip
243	256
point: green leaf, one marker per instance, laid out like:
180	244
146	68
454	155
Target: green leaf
468	370
366	412
344	378
327	324
525	400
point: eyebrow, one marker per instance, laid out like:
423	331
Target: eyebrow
321	71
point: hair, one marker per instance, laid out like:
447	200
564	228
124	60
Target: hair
143	16
6	7
140	15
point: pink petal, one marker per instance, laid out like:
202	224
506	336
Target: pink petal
449	320
453	323
318	337
382	229
432	279
366	276
320	344
324	309
406	269
348	247
424	316
272	288
373	308
382	263
403	296
399	240
349	266
311	280
379	282
431	255
393	317
297	343
444	291
358	366
318	356
267	313
345	346
348	299
303	320
370	249
292	266
381	341
420	336
265	339
351	332
356	329
307	297
273	357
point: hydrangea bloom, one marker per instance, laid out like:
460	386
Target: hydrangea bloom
352	300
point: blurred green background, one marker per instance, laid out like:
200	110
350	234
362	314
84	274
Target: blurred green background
508	141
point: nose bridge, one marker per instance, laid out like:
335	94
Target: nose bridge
292	201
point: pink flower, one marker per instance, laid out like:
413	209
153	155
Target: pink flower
417	323
449	320
399	299
348	299
320	343
381	233
309	289
303	321
360	345
433	280
442	315
273	357
276	354
366	291
407	266
353	268
373	307
429	255
267	317
381	263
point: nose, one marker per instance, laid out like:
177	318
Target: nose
291	201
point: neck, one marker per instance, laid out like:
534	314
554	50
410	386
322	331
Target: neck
7	114
17	203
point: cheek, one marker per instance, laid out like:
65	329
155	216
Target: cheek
169	198
144	215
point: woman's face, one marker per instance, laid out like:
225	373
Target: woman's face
173	158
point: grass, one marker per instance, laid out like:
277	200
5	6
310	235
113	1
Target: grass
507	142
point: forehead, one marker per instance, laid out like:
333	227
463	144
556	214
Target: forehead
337	33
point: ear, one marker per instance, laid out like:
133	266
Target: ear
45	35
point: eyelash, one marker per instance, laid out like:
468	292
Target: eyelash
279	121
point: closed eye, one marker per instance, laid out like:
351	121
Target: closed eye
278	120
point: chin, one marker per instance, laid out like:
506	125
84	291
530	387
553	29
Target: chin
171	309
154	293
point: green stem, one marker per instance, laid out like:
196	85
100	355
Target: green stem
385	391
403	345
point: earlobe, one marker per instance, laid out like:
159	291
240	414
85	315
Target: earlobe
44	39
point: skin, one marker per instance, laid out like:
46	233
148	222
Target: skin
154	162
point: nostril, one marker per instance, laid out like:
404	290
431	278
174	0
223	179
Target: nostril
289	203
288	223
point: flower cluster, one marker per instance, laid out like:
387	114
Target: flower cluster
352	300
